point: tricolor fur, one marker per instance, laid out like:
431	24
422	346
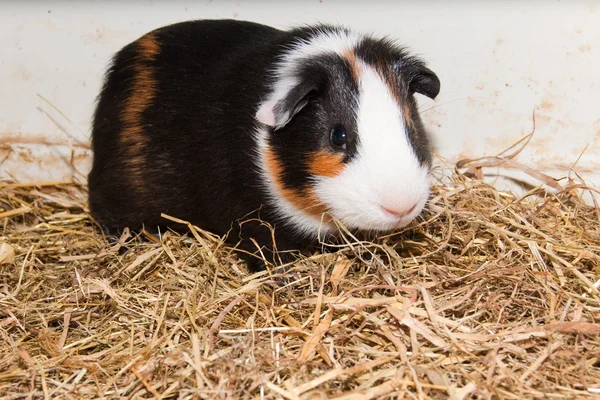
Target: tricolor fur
260	134
369	81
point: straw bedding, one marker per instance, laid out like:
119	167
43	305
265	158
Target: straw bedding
488	295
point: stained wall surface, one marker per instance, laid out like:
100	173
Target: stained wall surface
499	63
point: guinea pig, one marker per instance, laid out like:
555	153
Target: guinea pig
271	138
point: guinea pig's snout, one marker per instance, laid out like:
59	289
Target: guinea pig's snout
398	211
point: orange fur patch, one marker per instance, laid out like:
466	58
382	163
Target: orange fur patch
326	164
143	88
149	46
355	68
305	202
407	113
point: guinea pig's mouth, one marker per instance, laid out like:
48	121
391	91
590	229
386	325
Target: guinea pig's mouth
392	222
382	219
398	214
393	219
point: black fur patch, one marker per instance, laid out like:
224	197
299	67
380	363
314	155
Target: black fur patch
332	103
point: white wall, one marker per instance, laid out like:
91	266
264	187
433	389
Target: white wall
498	62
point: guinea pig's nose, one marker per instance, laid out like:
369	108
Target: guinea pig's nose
399	212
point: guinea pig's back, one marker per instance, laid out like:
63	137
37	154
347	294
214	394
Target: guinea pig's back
173	129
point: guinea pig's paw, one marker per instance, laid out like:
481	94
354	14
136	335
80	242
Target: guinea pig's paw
282	275
282	281
278	275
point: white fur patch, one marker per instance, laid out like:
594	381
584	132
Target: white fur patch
385	171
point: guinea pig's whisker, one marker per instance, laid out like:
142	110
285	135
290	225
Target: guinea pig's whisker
446	103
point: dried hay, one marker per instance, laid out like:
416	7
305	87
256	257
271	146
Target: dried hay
488	296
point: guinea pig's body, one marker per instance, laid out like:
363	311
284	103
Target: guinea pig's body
260	134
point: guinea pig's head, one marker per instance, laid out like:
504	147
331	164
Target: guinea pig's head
340	133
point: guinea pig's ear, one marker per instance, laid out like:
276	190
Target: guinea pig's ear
285	102
419	78
425	82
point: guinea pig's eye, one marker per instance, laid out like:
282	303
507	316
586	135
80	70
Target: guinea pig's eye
338	137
